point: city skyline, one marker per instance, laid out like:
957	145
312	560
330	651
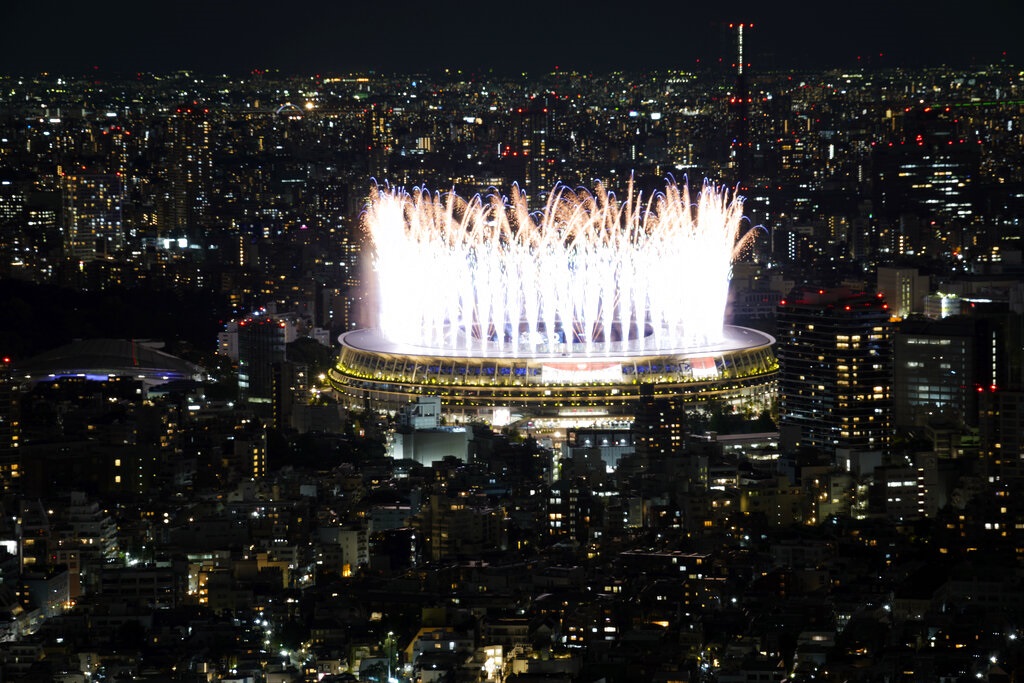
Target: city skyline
329	38
238	473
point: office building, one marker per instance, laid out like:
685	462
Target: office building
261	344
835	370
939	367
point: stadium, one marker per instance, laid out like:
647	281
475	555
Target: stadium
374	373
103	359
556	316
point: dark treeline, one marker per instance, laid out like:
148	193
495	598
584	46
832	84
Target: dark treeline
38	317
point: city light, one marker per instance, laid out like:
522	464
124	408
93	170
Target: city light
589	274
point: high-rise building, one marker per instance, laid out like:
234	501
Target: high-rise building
532	126
1002	433
189	171
835	370
938	368
291	388
92	216
739	114
42	227
10	429
349	310
14	242
261	344
1001	398
380	139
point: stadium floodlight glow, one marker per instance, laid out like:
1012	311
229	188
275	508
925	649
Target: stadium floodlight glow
588	275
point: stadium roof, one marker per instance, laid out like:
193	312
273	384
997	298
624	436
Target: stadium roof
102	358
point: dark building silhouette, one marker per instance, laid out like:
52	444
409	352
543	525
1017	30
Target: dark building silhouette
290	387
940	368
1001	398
928	170
261	344
10	429
532	126
380	140
571	510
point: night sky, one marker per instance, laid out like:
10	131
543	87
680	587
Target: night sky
236	36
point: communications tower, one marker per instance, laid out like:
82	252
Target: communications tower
739	113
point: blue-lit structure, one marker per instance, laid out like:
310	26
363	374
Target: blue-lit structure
101	359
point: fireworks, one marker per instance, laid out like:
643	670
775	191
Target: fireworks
588	275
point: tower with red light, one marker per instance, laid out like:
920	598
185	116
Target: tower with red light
739	112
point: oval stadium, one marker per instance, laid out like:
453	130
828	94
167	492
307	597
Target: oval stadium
377	374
